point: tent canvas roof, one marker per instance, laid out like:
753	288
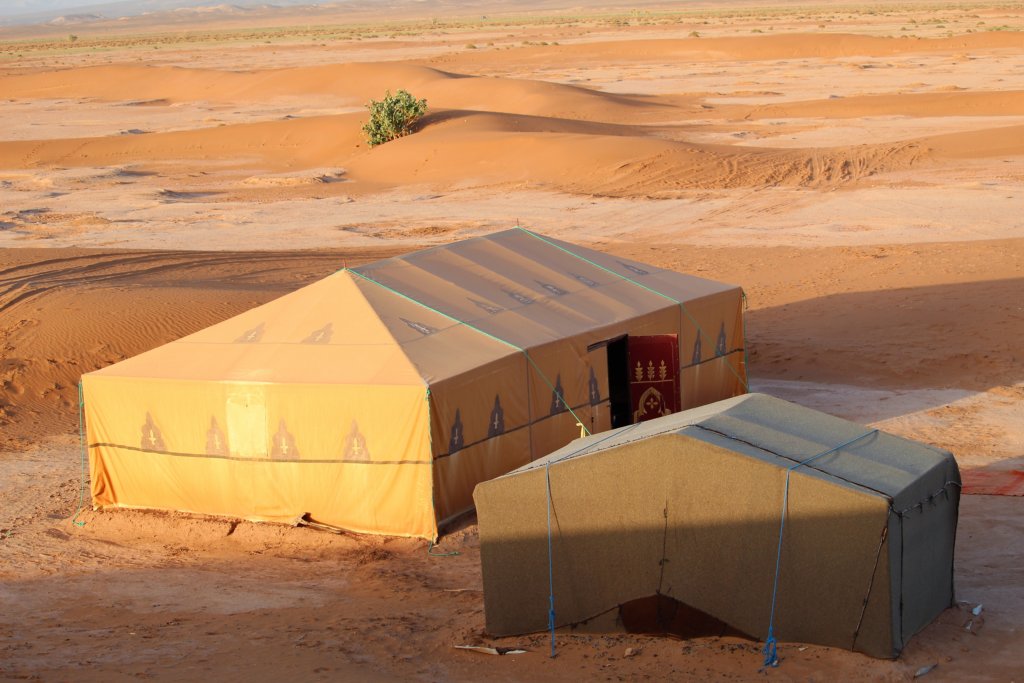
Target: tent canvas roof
396	321
784	434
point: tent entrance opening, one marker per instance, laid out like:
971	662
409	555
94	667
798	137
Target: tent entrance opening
643	377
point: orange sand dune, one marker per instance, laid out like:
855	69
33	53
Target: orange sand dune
496	149
355	83
292	143
1004	103
571	159
746	48
978	144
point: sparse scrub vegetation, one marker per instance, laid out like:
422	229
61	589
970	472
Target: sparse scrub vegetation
392	117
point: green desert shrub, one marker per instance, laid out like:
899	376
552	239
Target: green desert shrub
392	117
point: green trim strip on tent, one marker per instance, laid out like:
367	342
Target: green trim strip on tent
560	395
681	305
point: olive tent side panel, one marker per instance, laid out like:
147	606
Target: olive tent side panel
480	429
712	352
927	515
678	517
352	456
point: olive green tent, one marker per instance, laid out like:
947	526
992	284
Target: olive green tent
750	515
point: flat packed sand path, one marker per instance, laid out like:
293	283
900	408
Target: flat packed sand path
860	174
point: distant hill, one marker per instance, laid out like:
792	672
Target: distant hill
70	12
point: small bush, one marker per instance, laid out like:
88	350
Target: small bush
393	117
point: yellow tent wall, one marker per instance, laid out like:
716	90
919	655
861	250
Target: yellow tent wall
264	452
292	408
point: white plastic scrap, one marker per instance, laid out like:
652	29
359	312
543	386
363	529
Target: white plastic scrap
492	650
925	670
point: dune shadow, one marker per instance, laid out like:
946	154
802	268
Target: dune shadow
943	337
529	123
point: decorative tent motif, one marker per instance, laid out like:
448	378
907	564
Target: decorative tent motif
355	445
251	336
152	439
216	440
320	336
720	345
284	447
558	404
496	425
594	388
458	437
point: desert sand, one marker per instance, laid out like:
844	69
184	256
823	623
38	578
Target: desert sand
860	172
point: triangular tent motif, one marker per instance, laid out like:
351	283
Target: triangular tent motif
283	444
696	350
457	438
321	336
521	298
584	279
490	308
216	441
558	404
594	388
355	445
151	440
720	347
420	327
496	425
557	291
251	336
633	269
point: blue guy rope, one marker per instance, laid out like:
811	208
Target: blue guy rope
770	651
551	557
551	565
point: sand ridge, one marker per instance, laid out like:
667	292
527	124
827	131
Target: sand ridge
496	149
496	131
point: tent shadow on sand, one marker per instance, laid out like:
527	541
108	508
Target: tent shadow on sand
970	331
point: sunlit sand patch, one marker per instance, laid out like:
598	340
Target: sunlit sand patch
980	428
310	177
811	133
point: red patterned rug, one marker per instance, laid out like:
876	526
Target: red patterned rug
993	482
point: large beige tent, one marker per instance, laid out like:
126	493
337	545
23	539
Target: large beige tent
683	517
376	399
